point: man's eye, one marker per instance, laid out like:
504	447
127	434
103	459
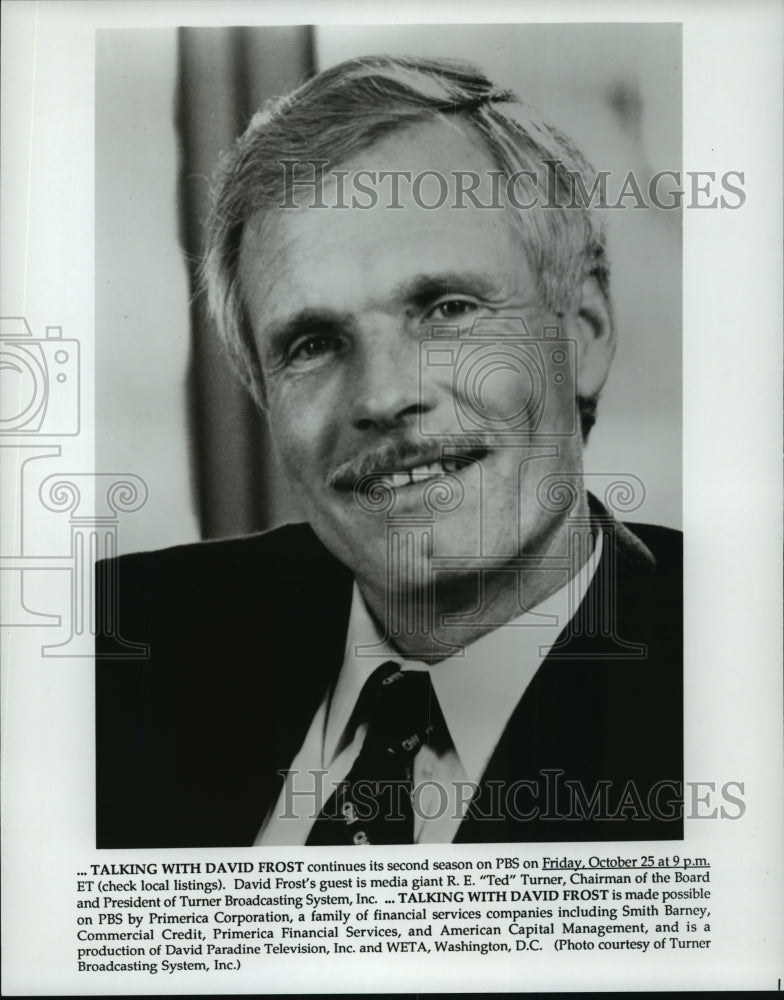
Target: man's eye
452	308
313	348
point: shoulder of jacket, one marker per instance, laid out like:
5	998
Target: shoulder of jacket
649	548
665	545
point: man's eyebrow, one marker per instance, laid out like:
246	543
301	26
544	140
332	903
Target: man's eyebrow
423	288
278	335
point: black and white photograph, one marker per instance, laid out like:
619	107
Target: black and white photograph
464	630
391	485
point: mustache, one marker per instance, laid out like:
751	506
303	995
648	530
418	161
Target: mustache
407	453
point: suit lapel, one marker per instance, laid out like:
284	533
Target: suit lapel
559	725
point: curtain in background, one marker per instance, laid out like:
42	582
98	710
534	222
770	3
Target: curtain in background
223	77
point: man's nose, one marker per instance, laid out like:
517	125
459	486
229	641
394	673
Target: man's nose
387	392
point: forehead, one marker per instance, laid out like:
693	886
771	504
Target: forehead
322	256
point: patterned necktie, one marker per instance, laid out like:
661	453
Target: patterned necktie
373	804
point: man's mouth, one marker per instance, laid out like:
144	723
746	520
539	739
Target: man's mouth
446	466
401	465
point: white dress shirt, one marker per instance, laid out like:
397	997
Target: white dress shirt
477	690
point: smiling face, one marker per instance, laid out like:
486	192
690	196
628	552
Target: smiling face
343	305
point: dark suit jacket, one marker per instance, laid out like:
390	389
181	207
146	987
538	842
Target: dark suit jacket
246	635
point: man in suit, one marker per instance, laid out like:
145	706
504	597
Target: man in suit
463	644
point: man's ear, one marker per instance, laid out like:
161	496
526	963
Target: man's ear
594	331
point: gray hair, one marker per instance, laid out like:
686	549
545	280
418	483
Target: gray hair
347	108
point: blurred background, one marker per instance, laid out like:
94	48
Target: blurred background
169	101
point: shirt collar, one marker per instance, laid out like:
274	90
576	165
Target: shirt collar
478	688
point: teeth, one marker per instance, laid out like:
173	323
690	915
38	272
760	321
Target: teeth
423	472
426	471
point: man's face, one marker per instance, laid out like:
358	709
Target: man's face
343	304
